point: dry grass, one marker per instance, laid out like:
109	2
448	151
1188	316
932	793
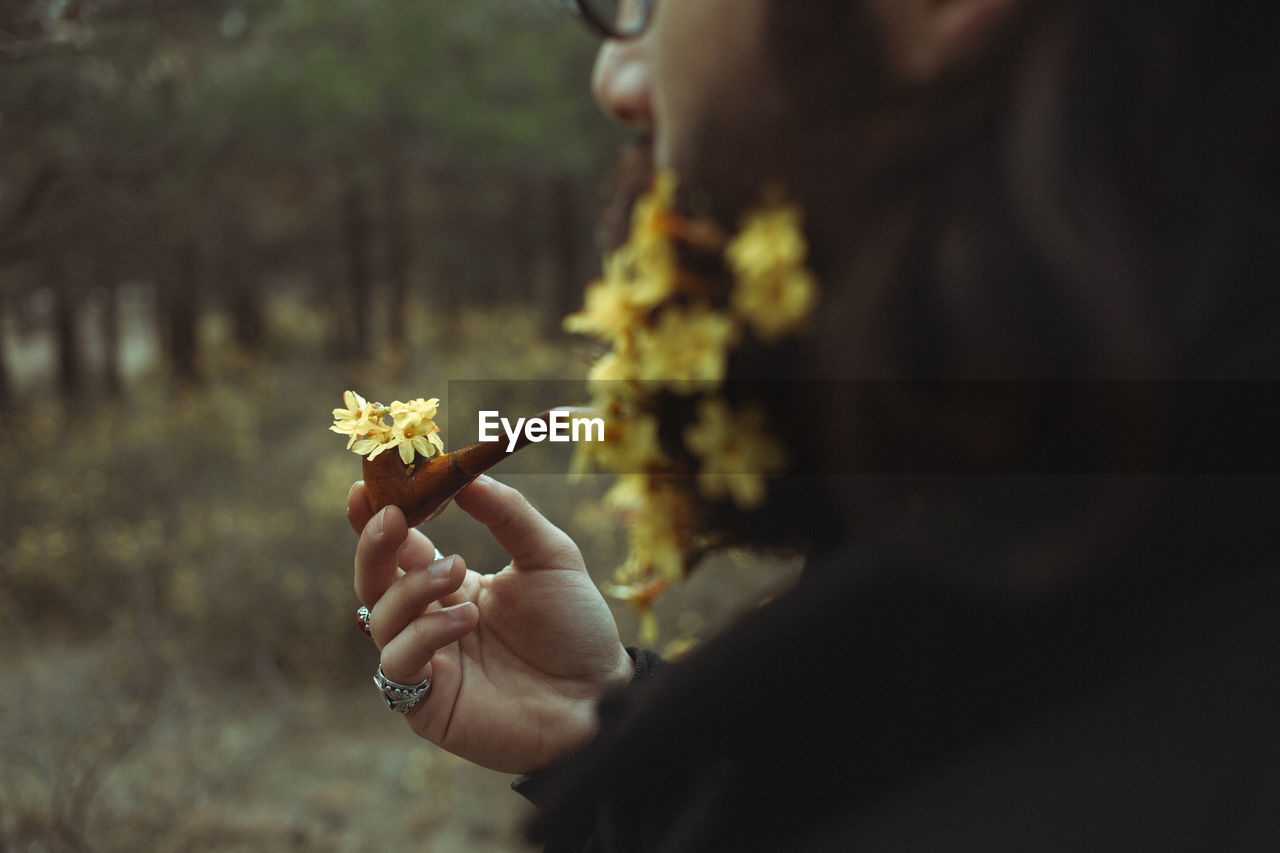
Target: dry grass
181	671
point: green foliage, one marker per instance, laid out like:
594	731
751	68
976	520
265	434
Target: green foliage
160	122
480	83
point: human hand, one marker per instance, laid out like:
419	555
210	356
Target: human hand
517	659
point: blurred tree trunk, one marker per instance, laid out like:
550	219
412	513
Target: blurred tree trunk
246	315
69	371
109	326
238	272
179	311
521	239
445	208
562	288
355	227
13	247
398	248
6	383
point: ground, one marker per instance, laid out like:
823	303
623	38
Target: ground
179	664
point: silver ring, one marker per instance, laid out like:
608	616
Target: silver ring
362	622
402	698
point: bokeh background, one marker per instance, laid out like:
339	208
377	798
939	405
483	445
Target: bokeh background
215	216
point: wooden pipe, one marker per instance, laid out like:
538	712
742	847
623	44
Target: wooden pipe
423	488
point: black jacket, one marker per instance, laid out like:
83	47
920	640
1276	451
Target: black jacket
876	709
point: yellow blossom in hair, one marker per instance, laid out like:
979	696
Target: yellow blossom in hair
609	311
647	261
628	493
656	528
735	451
671	330
657	554
687	349
630	445
644	269
614	374
641	596
637	275
770	238
774	291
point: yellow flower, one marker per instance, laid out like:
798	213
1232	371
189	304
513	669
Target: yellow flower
769	239
656	532
414	428
657	553
645	267
672	330
360	418
608	311
687	350
774	291
628	494
373	446
355	403
736	452
638	275
641	597
630	446
613	368
648	258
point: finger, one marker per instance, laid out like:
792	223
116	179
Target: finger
376	563
409	597
407	658
358	510
522	531
418	548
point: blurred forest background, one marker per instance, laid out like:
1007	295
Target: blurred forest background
215	216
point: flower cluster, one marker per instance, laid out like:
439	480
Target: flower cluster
373	428
670	332
775	292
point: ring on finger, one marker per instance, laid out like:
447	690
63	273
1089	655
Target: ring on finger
402	698
363	619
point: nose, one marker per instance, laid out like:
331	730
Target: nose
622	83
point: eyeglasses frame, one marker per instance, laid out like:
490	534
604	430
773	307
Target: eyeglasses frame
610	30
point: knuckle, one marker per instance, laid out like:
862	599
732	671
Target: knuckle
421	631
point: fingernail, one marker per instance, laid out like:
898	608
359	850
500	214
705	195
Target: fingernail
459	612
484	478
375	526
441	569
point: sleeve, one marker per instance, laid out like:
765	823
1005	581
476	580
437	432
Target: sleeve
538	786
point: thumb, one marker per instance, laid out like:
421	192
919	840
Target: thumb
529	539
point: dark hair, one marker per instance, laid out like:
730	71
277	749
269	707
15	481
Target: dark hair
1098	200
